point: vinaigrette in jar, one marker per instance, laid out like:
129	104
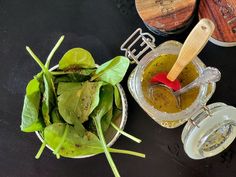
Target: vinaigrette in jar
160	97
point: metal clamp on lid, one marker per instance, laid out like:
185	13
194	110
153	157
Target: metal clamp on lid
129	46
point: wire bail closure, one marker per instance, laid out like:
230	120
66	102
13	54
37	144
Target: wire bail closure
206	110
129	46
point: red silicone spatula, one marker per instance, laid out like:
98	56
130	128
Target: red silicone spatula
192	46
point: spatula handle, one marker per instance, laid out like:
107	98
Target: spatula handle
192	46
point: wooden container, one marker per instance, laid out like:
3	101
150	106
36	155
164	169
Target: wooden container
223	14
165	17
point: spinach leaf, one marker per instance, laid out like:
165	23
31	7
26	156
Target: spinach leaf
89	99
80	71
30	114
112	71
77	76
106	120
79	128
30	119
74	144
56	117
49	88
68	100
117	97
68	86
76	58
105	104
48	100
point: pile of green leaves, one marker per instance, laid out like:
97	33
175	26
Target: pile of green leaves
73	106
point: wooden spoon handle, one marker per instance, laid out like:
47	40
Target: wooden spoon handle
192	46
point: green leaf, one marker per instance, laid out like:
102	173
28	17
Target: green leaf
76	58
106	120
103	112
89	99
74	144
68	100
79	128
112	71
56	118
61	142
49	89
117	97
77	76
81	71
48	99
68	87
30	119
105	104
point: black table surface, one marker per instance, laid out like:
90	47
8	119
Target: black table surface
100	27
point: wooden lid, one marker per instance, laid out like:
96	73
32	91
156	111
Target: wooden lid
223	14
165	15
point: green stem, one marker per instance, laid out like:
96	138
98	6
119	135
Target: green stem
122	151
61	72
126	134
36	59
94	77
40	150
53	51
53	87
105	148
62	141
58	156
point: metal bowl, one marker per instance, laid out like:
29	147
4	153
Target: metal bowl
111	135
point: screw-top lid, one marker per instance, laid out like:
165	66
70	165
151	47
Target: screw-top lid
165	15
212	131
223	14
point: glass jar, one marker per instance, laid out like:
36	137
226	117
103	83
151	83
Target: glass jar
210	129
168	120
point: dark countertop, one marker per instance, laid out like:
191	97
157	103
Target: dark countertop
100	27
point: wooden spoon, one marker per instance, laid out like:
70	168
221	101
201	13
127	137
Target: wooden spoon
192	46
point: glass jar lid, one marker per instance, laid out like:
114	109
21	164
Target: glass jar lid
210	132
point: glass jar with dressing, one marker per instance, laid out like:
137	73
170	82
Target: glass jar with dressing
211	127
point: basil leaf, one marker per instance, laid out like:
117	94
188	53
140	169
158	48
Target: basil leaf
76	58
74	144
112	71
30	119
